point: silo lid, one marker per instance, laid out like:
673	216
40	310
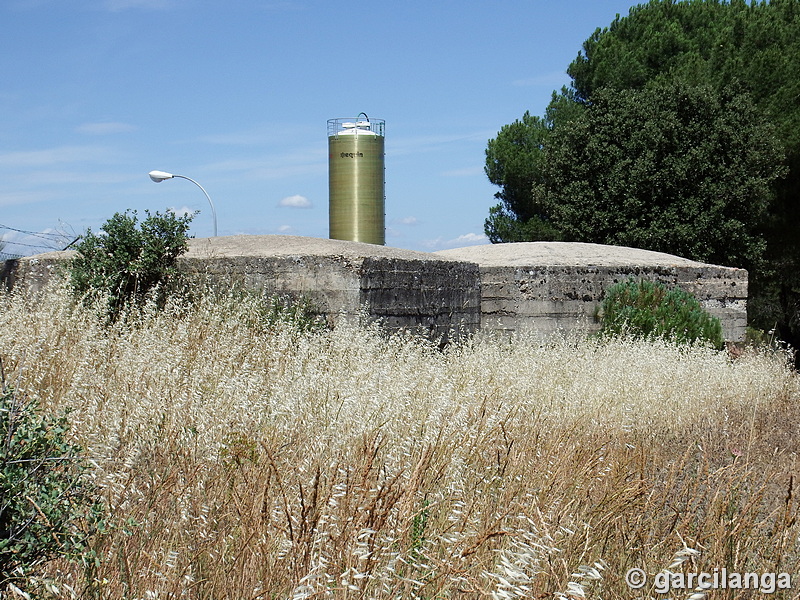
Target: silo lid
355	130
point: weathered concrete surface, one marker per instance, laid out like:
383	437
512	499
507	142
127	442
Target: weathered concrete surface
541	285
33	273
559	285
404	289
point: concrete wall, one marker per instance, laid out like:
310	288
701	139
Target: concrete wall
404	289
438	296
550	298
33	273
546	286
554	285
430	294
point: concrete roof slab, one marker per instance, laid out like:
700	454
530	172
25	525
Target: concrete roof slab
290	245
568	254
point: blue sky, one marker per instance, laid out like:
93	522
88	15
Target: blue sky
236	95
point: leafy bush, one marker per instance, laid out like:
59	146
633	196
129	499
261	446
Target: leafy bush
48	506
300	312
649	310
127	262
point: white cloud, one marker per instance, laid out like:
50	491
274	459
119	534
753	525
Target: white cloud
409	221
470	239
296	201
467	239
183	211
285	229
104	128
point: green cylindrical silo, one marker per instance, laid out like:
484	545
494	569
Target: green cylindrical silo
356	180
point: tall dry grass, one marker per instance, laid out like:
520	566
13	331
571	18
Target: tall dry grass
241	461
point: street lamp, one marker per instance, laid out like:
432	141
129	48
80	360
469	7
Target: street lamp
159	176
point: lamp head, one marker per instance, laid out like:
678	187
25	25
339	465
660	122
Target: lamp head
159	176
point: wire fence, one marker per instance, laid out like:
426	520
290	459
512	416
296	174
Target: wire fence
32	242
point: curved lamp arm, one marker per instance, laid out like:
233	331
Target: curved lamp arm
159	176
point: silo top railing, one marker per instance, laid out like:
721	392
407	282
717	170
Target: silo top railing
357	126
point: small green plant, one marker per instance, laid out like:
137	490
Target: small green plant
238	449
125	263
646	309
266	313
418	525
48	506
301	313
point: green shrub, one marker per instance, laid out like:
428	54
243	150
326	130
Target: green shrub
650	310
126	263
299	312
48	506
261	312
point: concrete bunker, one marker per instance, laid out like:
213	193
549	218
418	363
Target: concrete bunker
404	289
547	286
559	285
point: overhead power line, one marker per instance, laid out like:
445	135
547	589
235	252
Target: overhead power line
39	234
14	243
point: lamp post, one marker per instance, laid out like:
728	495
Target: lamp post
159	176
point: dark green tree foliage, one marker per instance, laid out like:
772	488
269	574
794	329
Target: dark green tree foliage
645	309
755	45
668	167
48	504
753	48
128	261
514	161
702	42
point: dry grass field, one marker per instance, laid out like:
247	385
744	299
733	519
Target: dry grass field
240	460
